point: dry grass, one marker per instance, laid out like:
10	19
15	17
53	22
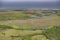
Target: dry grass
45	21
12	34
39	37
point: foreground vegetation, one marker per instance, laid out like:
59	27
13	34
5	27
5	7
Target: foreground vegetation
53	33
15	33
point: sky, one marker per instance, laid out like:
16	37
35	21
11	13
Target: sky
30	0
7	2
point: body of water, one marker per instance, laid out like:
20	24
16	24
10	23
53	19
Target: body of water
29	5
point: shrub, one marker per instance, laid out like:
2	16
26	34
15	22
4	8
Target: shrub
53	33
5	27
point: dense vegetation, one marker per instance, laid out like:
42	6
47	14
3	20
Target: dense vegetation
10	33
51	33
22	27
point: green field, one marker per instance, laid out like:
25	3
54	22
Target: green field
11	15
20	15
16	33
29	25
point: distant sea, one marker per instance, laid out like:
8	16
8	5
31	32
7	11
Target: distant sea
29	5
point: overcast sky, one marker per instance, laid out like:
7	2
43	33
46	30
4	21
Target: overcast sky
29	0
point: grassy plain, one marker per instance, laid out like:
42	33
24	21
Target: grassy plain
12	17
16	26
